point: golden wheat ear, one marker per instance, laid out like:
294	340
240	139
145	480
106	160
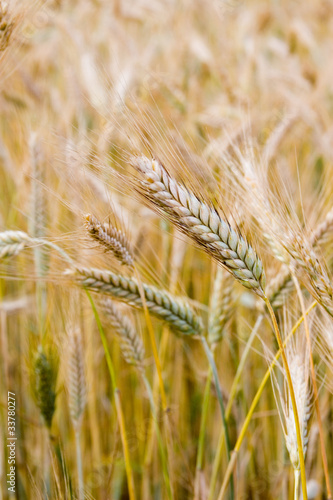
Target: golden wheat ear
12	243
45	375
114	240
76	378
202	223
130	342
221	307
174	310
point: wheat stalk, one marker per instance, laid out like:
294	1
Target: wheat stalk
202	223
113	239
174	310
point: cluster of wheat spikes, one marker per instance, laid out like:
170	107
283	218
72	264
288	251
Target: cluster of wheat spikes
166	239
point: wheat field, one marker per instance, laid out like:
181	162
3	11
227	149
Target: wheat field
166	238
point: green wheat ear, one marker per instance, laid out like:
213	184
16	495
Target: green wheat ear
45	375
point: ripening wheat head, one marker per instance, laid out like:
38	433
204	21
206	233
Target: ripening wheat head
111	238
298	361
76	377
45	374
201	222
311	269
130	341
222	305
174	310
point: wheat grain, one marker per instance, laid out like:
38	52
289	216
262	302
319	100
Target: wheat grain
175	311
202	223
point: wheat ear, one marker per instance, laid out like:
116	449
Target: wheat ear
299	370
323	231
202	223
175	311
130	342
76	378
7	25
77	397
12	243
113	239
45	378
306	260
279	288
38	205
282	285
221	307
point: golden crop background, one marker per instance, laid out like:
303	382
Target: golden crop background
85	84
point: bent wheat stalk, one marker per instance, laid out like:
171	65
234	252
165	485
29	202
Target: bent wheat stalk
204	225
201	222
175	311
